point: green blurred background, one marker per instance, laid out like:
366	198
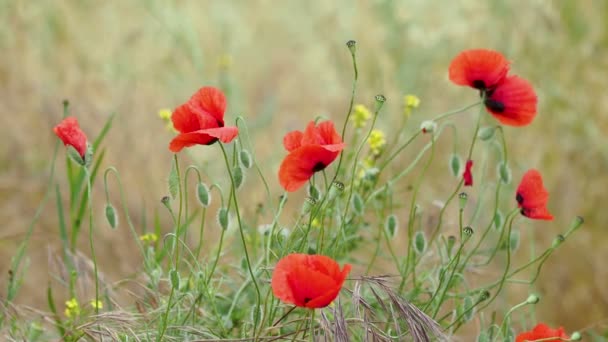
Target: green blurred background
282	63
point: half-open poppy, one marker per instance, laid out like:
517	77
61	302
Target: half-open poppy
478	68
311	281
532	196
512	102
200	121
309	152
542	332
468	175
70	134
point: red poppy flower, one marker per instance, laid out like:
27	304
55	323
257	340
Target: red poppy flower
200	121
468	176
532	196
311	281
512	102
478	68
70	133
542	331
309	152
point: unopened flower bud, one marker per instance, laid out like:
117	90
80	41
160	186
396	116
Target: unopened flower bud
222	218
532	299
504	172
419	242
428	126
576	336
391	225
451	242
486	133
357	203
245	159
111	215
314	192
239	176
455	165
203	195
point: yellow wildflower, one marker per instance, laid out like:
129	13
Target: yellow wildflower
165	115
410	102
360	115
72	308
224	61
149	238
316	223
97	304
376	141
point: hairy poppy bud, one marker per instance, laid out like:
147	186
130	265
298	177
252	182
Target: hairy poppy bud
357	203
203	195
174	277
239	177
428	126
532	299
245	159
111	215
486	133
576	336
504	172
455	164
450	244
391	225
419	242
222	218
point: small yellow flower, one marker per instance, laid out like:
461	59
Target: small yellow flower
316	223
165	115
224	61
97	304
367	164
149	238
360	115
376	141
410	102
72	308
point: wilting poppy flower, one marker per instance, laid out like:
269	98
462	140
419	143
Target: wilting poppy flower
542	332
512	102
468	176
478	68
311	281
200	121
532	196
70	133
309	152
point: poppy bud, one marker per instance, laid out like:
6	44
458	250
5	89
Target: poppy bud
468	309
245	159
455	165
238	176
391	225
504	172
336	189
462	199
357	204
111	215
352	46
532	299
203	195
576	336
222	218
486	133
314	192
558	241
428	126
419	242
498	220
380	99
309	203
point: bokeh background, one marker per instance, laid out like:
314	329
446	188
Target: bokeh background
283	63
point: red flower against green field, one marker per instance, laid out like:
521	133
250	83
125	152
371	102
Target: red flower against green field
478	68
309	152
542	332
510	99
200	121
512	102
468	175
70	133
311	281
532	196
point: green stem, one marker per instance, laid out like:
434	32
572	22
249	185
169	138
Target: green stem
93	257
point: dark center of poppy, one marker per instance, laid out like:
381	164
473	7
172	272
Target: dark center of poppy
479	84
519	198
524	212
318	167
494	106
306	300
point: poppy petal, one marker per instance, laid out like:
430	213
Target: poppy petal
513	102
531	191
478	68
224	134
468	175
184	120
292	140
300	164
543	332
279	284
537	213
309	286
328	297
201	137
211	101
70	134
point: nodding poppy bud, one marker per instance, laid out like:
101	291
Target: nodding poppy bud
352	46
314	192
245	159
380	99
455	164
576	336
462	200
428	126
309	203
222	218
357	203
486	133
203	195
504	172
532	299
558	240
239	177
111	215
391	225
336	189
419	242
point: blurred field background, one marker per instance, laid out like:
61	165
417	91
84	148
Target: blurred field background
283	63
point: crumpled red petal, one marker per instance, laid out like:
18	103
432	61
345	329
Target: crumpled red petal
468	175
203	137
542	331
292	140
210	101
300	164
532	196
513	102
478	68
70	134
